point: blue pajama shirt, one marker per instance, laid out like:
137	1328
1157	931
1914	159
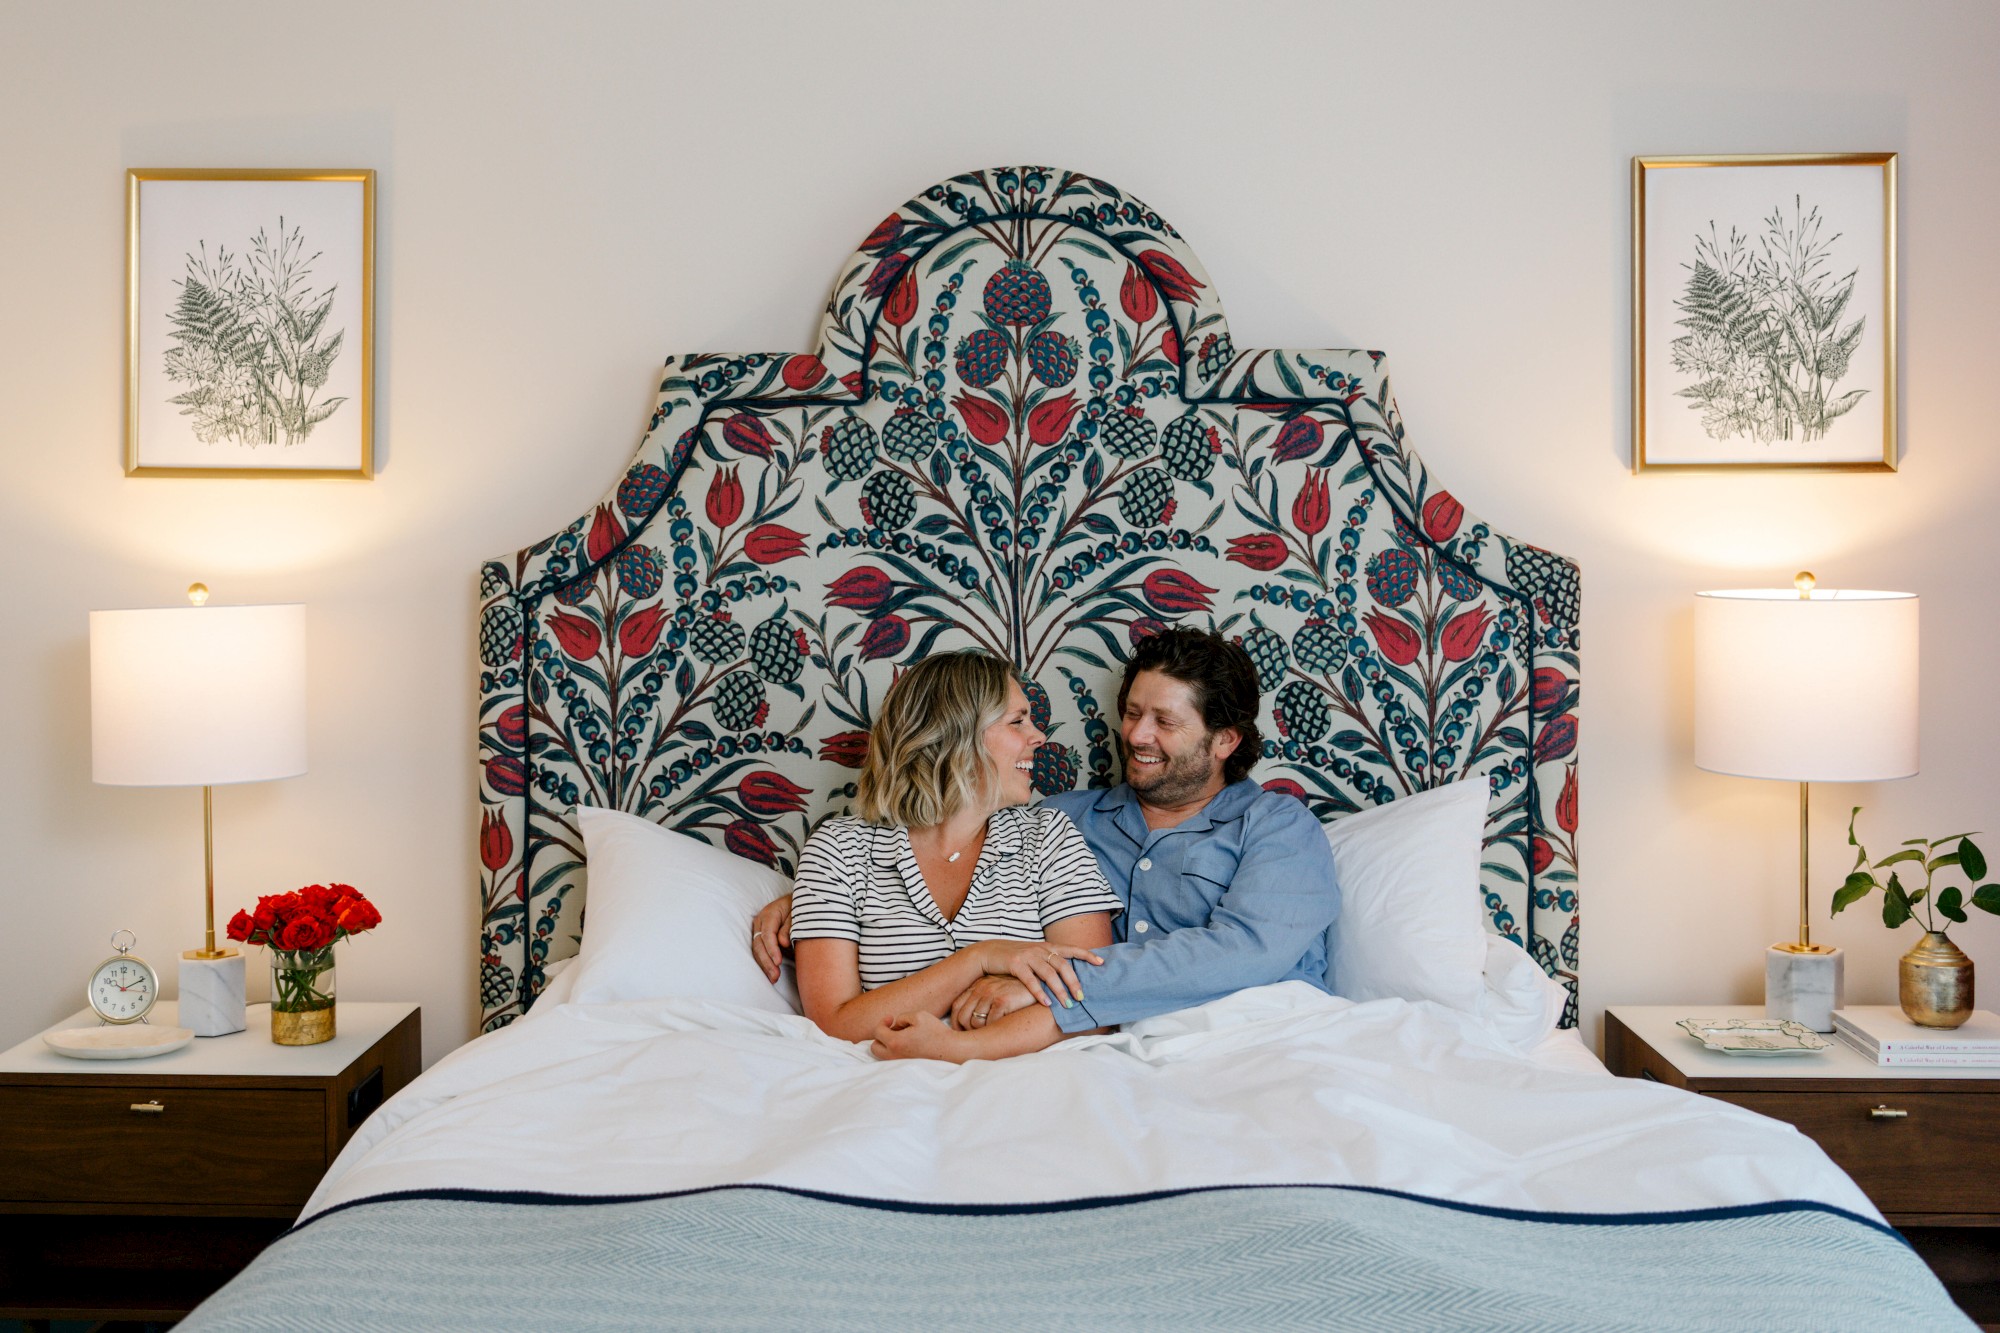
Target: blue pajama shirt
1240	894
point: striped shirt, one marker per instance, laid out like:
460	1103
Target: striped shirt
860	882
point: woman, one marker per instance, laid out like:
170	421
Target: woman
945	874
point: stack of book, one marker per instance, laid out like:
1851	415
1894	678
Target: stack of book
1880	1032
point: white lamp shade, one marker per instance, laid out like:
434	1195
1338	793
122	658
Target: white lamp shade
197	696
1806	689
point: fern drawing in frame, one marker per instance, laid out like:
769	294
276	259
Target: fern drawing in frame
250	342
1764	312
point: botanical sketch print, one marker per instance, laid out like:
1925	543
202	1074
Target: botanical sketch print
1763	312
251	343
1766	346
250	298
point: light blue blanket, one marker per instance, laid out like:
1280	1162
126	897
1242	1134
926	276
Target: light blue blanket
1301	1257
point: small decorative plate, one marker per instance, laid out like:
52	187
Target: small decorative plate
1754	1036
134	1042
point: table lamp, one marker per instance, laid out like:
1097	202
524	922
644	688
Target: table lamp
1805	685
199	696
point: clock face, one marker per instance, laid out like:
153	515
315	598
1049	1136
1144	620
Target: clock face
123	990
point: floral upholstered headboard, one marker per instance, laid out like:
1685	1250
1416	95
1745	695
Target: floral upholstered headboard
1025	427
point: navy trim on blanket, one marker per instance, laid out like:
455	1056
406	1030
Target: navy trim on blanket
1117	1201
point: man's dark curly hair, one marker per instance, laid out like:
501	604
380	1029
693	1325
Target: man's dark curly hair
1221	677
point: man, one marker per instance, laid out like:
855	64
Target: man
1225	885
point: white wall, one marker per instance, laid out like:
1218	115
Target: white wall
569	193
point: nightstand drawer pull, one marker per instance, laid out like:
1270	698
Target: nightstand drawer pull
1887	1113
151	1108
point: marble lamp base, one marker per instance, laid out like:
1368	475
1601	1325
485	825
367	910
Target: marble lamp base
1804	987
212	995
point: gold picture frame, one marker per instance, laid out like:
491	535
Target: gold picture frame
248	336
1775	344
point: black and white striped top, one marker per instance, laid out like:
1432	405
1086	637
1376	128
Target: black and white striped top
860	882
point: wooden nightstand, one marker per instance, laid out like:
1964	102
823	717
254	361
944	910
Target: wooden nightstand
1922	1143
111	1209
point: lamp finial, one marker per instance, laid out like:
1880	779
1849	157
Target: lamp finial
197	594
1804	582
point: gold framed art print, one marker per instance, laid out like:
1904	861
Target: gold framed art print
250	312
1764	312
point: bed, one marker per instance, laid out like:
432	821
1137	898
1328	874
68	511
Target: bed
1026	427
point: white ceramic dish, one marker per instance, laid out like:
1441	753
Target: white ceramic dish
135	1041
1754	1036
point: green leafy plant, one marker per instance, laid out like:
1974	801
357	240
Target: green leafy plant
1930	855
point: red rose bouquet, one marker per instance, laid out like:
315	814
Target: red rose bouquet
300	929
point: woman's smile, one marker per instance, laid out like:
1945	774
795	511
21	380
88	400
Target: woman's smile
1012	742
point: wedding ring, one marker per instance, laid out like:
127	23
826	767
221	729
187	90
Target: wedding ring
981	1015
756	934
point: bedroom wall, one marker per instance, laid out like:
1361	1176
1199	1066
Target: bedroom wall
570	193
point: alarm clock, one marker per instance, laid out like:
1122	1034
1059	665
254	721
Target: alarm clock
123	988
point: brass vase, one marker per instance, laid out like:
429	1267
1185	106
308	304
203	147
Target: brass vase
1936	983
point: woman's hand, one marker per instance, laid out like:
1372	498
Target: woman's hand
1037	964
988	1000
917	1036
771	935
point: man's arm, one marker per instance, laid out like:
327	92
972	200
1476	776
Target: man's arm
1280	901
771	935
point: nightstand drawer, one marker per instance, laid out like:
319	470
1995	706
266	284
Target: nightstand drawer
203	1146
1930	1159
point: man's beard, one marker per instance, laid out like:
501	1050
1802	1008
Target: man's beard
1180	779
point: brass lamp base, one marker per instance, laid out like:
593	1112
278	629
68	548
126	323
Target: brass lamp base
208	952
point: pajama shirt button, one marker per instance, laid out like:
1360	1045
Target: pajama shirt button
1146	864
1139	926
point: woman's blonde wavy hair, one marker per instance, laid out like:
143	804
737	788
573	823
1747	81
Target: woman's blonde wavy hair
927	756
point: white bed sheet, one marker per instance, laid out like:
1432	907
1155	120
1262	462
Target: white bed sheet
1563	1049
1278	1085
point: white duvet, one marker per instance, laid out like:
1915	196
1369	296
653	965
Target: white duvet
1279	1085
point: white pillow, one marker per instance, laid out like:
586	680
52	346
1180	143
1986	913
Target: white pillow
1409	925
1520	1002
557	979
668	917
